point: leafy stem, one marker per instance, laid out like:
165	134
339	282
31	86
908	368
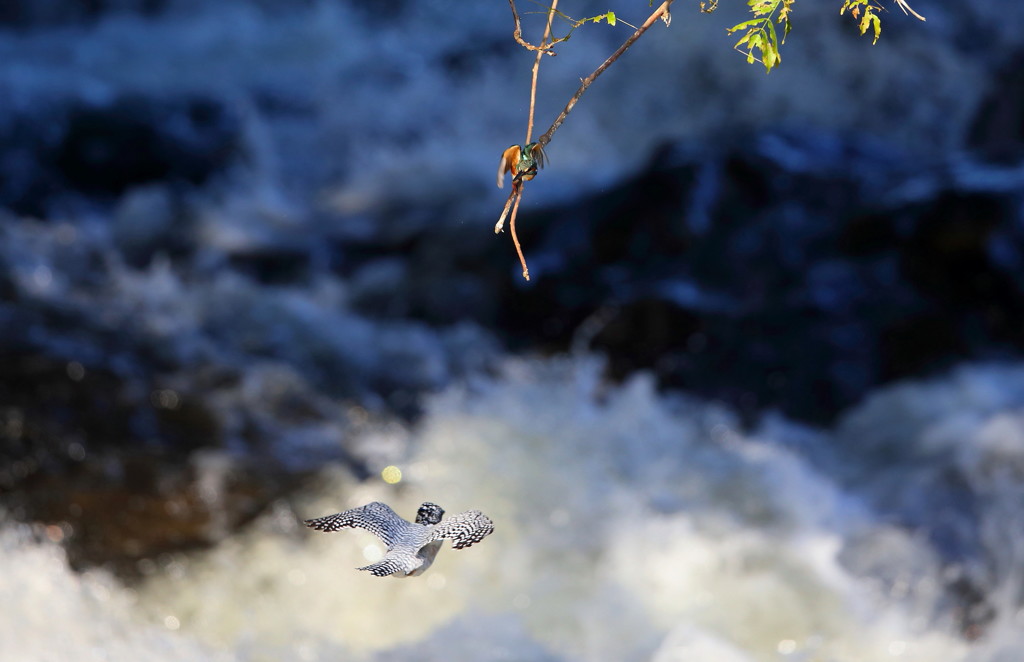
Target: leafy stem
760	33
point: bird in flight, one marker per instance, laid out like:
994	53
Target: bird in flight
411	546
522	162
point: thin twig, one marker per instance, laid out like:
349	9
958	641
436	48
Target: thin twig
658	13
518	34
517	187
515	239
907	10
536	69
504	213
517	191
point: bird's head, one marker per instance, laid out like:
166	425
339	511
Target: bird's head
429	513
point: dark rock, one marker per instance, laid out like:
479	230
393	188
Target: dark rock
98	437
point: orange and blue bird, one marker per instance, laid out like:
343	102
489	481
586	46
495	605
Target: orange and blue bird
522	162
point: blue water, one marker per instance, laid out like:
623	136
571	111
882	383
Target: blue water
631	524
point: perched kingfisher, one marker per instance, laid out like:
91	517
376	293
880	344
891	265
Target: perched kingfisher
522	163
412	546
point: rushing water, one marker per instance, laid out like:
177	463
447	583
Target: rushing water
629	526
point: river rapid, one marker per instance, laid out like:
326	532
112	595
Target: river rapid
629	526
247	270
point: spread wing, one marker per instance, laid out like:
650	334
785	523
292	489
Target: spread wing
393	562
464	529
539	155
509	159
376	517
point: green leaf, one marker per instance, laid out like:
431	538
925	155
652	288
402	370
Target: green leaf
610	17
756	41
761	36
769	54
744	25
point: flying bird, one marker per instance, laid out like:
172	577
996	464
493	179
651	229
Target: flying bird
411	546
522	162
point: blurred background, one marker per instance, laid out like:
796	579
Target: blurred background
763	398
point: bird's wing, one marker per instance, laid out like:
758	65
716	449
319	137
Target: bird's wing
507	164
539	155
393	562
464	529
376	517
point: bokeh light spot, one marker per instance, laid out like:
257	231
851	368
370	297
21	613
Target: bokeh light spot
391	474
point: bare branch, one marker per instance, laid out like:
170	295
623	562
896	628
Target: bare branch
908	10
518	34
500	225
515	239
658	13
536	69
516	196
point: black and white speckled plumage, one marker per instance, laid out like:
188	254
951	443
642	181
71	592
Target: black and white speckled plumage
412	546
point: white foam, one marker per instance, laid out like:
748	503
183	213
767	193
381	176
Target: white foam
629	526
